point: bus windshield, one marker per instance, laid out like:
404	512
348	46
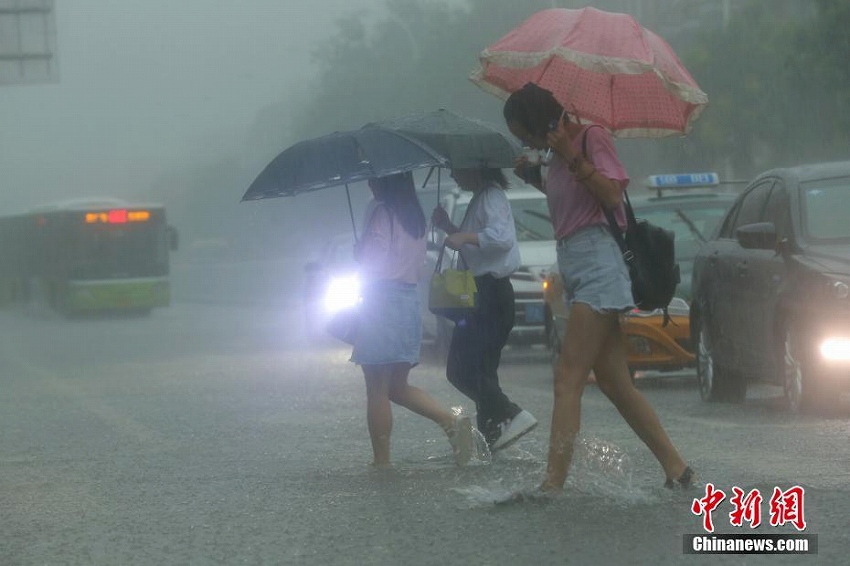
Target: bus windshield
116	252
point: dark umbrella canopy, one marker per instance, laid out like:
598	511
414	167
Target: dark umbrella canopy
465	142
338	159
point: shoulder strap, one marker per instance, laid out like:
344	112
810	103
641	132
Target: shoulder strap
609	214
465	215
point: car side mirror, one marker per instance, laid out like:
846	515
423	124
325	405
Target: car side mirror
758	236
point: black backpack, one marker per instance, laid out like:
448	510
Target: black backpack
650	255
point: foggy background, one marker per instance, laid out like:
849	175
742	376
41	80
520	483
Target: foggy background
185	102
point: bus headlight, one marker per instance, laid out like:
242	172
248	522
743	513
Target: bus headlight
342	292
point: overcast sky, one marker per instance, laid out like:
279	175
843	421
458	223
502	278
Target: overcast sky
147	84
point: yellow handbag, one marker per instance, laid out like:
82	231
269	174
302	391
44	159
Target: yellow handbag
453	293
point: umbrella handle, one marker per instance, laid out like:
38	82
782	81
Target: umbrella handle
434	228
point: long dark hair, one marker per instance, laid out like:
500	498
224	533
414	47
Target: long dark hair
398	192
494	176
534	108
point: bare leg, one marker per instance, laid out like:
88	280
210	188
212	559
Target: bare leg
612	376
583	342
416	399
379	416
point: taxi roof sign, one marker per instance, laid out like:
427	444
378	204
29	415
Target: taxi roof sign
682	181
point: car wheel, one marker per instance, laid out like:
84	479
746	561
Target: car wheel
802	392
715	383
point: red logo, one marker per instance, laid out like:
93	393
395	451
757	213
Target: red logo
785	507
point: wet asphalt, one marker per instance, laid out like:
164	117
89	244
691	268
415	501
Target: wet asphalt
212	434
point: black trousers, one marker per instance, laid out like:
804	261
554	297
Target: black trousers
476	351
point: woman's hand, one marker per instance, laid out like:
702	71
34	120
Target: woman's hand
440	219
560	141
529	172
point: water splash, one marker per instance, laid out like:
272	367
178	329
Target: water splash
480	450
602	458
599	469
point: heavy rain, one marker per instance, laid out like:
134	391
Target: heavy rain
169	390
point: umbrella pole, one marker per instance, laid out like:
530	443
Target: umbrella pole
351	212
428	177
439	203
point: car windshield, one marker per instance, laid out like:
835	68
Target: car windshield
531	218
825	208
691	222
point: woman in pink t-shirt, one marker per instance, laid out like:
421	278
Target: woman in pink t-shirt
596	279
391	254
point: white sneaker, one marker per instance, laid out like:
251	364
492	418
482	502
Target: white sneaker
513	429
462	440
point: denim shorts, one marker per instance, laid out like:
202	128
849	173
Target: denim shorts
390	325
594	272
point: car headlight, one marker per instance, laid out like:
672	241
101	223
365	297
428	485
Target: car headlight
836	349
343	292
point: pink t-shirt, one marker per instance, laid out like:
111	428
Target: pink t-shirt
571	205
388	252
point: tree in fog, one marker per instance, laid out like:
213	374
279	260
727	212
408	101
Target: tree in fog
777	82
766	69
775	74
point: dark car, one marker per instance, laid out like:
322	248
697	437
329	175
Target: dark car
772	289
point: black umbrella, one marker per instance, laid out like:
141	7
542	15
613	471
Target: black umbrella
338	159
464	142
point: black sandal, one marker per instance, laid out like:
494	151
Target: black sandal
685	481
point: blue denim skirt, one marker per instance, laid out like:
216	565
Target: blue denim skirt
390	325
594	272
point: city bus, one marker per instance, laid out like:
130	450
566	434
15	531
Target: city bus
87	256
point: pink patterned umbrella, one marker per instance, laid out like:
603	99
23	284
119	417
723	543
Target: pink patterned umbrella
603	65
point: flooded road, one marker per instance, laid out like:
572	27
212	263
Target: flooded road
207	434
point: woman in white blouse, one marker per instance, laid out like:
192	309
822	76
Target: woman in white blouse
486	240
